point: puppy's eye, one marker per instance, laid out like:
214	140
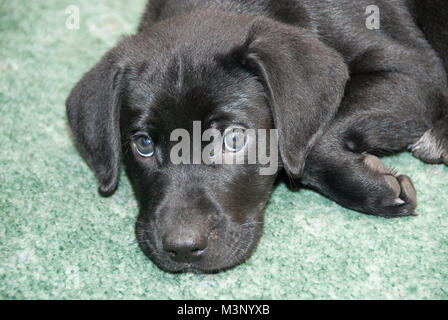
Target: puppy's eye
235	139
144	146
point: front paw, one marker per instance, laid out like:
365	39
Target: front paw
396	195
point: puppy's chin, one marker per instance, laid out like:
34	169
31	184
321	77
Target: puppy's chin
230	244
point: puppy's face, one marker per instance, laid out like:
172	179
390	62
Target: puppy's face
228	73
200	217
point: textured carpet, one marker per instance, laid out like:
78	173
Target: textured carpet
60	239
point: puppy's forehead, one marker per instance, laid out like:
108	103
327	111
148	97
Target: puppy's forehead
188	88
179	74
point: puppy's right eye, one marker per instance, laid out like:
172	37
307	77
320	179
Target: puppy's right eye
144	146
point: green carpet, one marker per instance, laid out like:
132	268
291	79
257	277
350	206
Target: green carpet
60	239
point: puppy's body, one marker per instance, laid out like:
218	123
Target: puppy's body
337	92
396	94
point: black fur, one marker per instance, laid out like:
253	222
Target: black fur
337	92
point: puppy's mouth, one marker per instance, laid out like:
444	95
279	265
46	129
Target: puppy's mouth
228	247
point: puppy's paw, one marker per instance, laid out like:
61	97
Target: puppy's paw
431	148
396	195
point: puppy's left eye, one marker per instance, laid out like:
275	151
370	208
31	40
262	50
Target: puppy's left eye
235	139
144	146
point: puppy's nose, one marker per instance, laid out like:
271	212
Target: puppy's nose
185	250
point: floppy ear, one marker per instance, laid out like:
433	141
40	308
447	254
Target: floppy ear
93	109
305	82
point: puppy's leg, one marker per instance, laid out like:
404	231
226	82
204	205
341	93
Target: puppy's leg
359	181
382	113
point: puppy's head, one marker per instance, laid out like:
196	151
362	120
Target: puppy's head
228	73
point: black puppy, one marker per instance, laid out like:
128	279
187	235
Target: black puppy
338	93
